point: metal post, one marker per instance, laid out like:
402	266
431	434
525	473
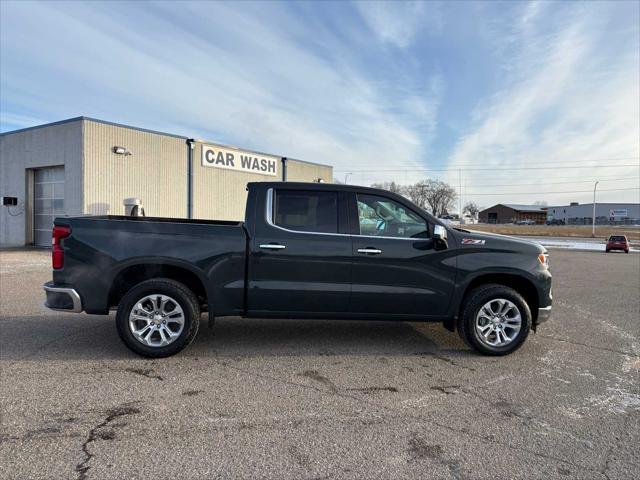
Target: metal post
346	175
593	226
190	177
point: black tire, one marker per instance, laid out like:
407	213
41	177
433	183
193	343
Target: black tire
161	286
626	251
472	304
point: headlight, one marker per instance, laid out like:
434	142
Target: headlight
543	258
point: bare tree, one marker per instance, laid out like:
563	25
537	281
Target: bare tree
439	196
542	203
390	186
417	193
433	195
472	209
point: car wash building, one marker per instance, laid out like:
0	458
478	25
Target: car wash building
84	166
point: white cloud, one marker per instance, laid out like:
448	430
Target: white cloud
397	23
230	76
566	99
264	76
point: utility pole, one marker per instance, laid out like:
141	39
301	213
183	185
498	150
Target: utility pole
593	225
346	175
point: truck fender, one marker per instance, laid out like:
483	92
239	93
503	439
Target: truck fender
164	261
504	276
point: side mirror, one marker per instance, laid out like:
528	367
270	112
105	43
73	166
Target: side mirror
440	237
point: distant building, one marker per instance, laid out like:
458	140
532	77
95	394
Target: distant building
510	213
606	213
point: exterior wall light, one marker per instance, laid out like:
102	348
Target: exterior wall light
121	151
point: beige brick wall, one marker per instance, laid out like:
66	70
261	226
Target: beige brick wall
222	194
155	172
299	171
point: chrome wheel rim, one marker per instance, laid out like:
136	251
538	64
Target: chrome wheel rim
156	320
498	322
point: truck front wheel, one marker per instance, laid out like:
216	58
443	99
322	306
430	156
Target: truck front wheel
495	320
158	318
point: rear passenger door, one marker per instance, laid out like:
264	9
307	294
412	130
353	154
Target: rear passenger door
301	254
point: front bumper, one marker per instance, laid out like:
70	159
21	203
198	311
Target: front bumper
544	314
62	298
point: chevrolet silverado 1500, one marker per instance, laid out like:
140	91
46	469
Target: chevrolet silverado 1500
305	250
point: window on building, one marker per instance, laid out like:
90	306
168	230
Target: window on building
307	211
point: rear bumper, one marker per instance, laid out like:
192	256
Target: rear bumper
544	314
62	298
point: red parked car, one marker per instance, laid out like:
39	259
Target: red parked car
617	242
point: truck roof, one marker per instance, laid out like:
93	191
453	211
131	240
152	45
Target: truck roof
316	186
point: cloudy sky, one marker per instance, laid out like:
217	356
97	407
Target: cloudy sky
516	101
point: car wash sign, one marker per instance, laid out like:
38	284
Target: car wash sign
241	161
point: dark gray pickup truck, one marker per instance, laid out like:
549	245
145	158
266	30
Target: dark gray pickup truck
305	250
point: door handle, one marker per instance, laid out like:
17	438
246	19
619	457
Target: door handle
272	246
370	251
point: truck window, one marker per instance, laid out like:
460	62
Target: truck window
307	211
383	217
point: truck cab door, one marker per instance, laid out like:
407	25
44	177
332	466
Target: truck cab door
300	254
398	268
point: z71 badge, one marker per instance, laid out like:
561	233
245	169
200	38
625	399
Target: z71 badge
472	241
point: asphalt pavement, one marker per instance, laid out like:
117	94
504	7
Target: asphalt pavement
281	399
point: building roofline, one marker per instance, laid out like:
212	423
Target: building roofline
310	163
520	208
139	129
51	124
96	120
591	204
156	132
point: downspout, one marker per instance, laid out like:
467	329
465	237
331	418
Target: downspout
190	147
284	169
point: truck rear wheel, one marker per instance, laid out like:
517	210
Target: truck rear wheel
495	320
158	318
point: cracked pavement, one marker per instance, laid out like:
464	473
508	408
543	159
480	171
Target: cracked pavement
284	399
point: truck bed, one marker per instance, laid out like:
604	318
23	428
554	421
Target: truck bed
101	249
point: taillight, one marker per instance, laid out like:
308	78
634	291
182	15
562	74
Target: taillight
57	252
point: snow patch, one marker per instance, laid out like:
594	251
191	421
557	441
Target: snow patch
631	364
572	244
616	401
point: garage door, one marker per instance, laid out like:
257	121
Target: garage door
48	196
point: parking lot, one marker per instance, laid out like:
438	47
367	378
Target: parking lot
325	399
